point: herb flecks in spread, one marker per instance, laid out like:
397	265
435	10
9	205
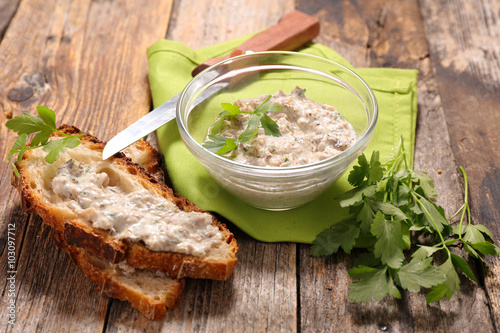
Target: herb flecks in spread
390	207
29	124
138	215
295	130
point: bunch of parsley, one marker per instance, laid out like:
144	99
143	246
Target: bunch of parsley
43	127
394	218
220	144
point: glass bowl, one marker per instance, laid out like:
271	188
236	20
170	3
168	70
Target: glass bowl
255	74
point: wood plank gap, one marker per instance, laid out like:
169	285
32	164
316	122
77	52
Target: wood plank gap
106	316
481	279
8	10
297	281
172	21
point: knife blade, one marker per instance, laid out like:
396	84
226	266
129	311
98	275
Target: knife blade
152	121
144	126
295	29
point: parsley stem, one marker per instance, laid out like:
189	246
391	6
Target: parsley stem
456	213
400	155
403	151
33	147
465	209
417	200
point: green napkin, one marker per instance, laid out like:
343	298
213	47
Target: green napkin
170	66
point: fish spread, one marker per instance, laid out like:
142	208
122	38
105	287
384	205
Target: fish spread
137	215
310	132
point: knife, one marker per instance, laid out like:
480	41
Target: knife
292	31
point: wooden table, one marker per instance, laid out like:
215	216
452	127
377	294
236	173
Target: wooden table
87	61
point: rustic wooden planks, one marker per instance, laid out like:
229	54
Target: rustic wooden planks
87	61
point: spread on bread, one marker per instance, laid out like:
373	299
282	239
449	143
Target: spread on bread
138	215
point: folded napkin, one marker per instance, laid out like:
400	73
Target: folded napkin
170	66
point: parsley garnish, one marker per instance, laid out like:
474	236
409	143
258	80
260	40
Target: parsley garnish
390	206
43	127
220	144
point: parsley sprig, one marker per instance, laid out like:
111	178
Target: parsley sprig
220	144
391	209
43	127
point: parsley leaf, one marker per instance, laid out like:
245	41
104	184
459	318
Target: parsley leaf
221	145
390	209
218	125
448	287
462	264
251	129
357	195
267	106
357	175
342	234
419	273
43	127
19	148
389	246
27	124
270	127
433	216
485	248
426	182
372	283
424	252
231	109
48	116
365	216
55	147
474	233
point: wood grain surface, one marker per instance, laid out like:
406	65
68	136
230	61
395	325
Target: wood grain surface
87	60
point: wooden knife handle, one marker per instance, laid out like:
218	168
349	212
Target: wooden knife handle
292	31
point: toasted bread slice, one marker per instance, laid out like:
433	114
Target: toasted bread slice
151	292
216	261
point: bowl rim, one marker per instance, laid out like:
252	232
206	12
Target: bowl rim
186	136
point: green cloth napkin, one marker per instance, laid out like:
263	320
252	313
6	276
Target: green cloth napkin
170	66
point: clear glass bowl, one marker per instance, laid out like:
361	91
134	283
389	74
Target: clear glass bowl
251	75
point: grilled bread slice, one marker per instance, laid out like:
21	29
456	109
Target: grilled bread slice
36	185
151	292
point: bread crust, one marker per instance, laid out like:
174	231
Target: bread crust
102	244
106	282
106	276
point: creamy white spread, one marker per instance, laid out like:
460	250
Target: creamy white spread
311	132
138	215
